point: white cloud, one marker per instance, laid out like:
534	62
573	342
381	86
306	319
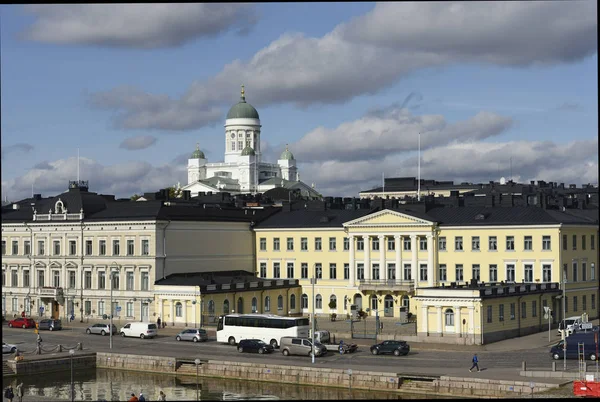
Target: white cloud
136	25
139	142
375	50
20	147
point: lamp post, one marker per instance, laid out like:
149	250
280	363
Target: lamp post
110	330
71	353
197	362
313	281
564	301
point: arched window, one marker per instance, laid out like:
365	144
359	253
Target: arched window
178	310
211	307
293	302
319	302
226	306
254	305
373	302
267	303
280	302
333	302
240	305
304	301
449	318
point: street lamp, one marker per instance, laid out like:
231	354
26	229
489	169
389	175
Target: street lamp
564	301
197	362
110	330
313	281
71	353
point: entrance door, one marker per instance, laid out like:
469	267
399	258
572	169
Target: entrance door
145	315
388	305
55	310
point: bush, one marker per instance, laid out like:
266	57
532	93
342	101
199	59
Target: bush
362	314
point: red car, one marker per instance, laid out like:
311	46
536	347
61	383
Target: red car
22	323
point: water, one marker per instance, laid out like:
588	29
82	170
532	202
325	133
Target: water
117	385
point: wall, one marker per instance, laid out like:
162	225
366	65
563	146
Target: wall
81	361
157	364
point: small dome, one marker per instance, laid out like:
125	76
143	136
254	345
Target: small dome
248	151
242	109
197	153
286	155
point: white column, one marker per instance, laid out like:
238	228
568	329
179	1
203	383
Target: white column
414	269
172	310
471	323
184	307
440	322
352	263
161	305
382	264
398	258
367	244
424	314
457	321
430	270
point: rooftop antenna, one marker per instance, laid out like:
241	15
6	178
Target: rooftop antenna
419	171
511	168
31	189
383	181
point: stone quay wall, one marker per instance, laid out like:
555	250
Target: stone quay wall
155	364
52	364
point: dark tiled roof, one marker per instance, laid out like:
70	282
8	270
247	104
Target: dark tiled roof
312	219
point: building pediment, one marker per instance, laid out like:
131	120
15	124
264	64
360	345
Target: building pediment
388	218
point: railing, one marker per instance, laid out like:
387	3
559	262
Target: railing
48	291
385	284
58	217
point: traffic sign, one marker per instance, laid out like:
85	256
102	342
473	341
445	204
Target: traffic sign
586	325
118	308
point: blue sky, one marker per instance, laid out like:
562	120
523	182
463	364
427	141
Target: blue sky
347	85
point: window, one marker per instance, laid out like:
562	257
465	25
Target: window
332	271
101	280
574	303
534	308
346	243
304	301
116	247
449	317
391	244
290	244
583	271
144	281
41	250
489	314
72	247
3	247
56	247
319	302
263	244
443	274
102	246
263	269
592	242
276	270
476	274
100	308
15	247
318	245
332	244
423	272
276	244
510	272
422	244
583	242
528	268
72	279
178	310
458	243
593	302
528	243
406	244
374	302
584	302
130	247
290	270
88	307
346	271
492	243
547	273
375	244
566	303
26	278
442	244
523	310
129	280
391	271
459	272
546	244
407	272
129	307
501	312
565	272
304	244
88	247
145	247
564	242
360	244
319	270
475	243
27	247
87	277
493	273
575	271
360	271
14	278
233	145
279	302
574	242
304	270
592	271
115	280
40	279
510	242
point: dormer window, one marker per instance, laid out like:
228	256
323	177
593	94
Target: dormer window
479	217
59	207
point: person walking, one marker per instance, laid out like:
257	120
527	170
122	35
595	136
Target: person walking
20	392
162	396
9	394
475	363
158	322
133	398
142	398
342	347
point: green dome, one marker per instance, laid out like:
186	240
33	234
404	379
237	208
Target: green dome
197	153
248	151
242	109
287	155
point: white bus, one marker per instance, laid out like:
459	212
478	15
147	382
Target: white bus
267	327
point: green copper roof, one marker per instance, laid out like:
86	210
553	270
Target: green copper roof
248	151
287	155
242	110
197	153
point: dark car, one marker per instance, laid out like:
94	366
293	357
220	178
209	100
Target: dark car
396	347
254	346
22	323
50	324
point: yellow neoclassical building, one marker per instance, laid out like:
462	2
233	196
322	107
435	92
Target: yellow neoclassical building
420	258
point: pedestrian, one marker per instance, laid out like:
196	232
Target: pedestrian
142	398
20	392
133	398
162	396
158	322
9	394
23	314
164	324
342	347
380	326
475	363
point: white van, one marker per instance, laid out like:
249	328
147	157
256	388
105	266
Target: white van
139	330
570	323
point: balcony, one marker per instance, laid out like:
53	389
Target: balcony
385	285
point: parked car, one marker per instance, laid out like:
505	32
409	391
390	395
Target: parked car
139	330
254	346
101	329
290	345
396	347
22	323
8	348
50	324
195	335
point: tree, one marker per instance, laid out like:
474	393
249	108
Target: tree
135	197
332	306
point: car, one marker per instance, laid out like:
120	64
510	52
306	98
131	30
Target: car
8	348
101	329
254	346
22	323
396	347
193	334
139	330
50	324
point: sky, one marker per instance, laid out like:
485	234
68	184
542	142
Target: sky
495	89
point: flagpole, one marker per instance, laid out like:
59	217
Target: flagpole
419	171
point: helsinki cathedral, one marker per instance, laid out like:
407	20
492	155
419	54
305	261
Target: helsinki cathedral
243	170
